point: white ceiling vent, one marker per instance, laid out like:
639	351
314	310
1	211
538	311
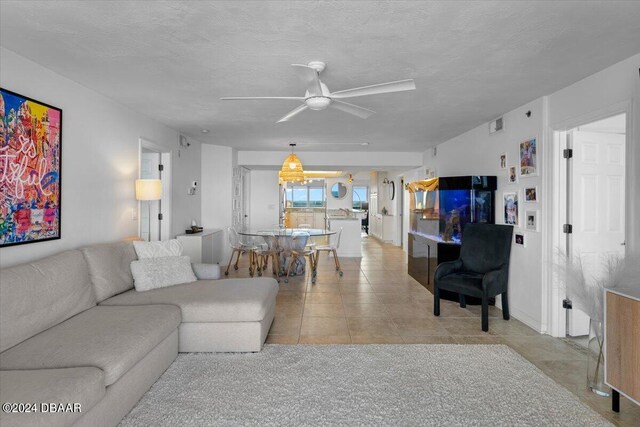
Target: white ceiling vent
496	126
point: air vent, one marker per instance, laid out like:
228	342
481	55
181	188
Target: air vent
496	126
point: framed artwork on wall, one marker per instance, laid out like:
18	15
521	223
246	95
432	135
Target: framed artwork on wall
528	157
531	220
531	194
30	170
513	175
503	161
519	239
510	208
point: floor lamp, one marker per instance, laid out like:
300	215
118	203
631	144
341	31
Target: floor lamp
150	190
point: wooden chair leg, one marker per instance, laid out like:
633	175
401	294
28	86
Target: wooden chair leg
226	273
485	313
251	262
336	259
463	301
436	301
293	259
235	266
505	306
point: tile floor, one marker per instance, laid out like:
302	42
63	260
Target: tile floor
377	302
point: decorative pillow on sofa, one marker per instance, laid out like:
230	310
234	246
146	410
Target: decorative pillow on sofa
154	273
158	249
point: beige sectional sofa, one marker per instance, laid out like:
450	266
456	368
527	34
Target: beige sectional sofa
73	330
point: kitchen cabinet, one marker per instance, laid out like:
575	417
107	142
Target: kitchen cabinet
314	218
383	227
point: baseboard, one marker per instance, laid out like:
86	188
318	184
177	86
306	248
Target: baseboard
525	318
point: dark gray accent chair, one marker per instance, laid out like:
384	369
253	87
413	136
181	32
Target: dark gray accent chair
481	271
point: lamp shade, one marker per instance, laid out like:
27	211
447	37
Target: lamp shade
148	189
292	169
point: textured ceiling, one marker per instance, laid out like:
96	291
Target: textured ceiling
174	60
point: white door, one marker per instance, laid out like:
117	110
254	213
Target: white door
149	209
597	206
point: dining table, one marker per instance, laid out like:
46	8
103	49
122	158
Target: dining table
277	241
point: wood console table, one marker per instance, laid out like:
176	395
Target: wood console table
622	344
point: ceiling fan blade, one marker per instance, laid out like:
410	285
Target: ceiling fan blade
310	78
293	113
361	112
398	86
252	98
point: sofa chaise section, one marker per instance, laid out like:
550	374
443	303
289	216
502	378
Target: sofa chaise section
232	315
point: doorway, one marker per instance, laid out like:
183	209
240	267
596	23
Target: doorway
154	216
595	202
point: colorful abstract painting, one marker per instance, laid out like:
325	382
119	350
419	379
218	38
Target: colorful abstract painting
30	152
529	157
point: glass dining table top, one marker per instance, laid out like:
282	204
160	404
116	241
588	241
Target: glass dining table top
284	232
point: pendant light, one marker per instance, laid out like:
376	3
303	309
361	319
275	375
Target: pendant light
291	168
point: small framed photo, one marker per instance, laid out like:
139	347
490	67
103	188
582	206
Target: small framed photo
531	194
529	157
503	161
519	239
513	174
531	220
510	208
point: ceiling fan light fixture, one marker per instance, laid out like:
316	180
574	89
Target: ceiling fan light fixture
317	102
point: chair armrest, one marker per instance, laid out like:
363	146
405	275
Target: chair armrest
499	277
206	271
447	268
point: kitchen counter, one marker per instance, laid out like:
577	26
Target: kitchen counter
351	238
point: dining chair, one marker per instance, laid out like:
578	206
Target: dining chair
334	244
238	248
270	249
297	248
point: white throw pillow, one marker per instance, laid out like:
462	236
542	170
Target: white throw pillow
154	273
158	249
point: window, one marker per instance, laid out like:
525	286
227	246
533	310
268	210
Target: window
305	197
300	197
360	196
316	197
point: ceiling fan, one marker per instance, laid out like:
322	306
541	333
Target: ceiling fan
318	96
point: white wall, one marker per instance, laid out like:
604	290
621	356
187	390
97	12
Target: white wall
263	209
186	169
217	180
99	160
478	153
217	175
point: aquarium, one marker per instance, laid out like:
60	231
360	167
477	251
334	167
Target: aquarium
441	207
